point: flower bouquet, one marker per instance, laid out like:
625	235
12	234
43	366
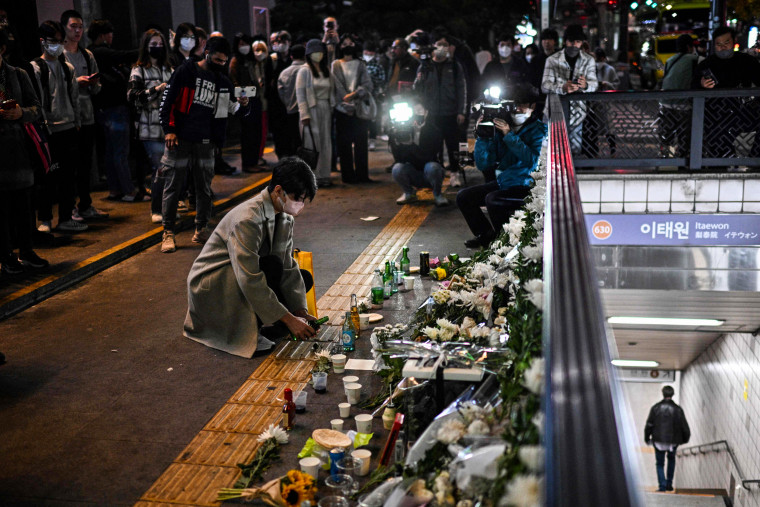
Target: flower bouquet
289	490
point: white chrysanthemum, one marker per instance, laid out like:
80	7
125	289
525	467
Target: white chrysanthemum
535	290
500	320
515	227
533	253
323	354
478	427
494	338
431	332
536	205
441	296
451	431
538	421
534	376
467	323
494	259
479	332
446	335
538	224
524	491
482	271
464	503
447	324
532	456
400	327
276	432
519	214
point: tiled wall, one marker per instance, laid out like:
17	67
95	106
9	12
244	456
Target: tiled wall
713	398
724	193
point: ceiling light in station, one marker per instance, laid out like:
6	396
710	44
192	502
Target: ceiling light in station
664	321
631	363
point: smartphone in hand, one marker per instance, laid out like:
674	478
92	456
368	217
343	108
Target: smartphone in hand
245	91
708	74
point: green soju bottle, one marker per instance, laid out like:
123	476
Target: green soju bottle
348	336
405	266
387	280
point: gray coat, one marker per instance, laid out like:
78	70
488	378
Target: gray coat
227	290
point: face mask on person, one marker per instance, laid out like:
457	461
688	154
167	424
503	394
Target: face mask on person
244	50
521	118
528	58
281	48
215	67
260	55
505	51
441	52
725	54
367	57
187	43
349	51
316	57
54	49
572	51
292	208
156	52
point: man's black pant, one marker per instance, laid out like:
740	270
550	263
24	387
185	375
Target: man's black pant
451	135
59	185
84	169
273	270
501	204
353	147
16	220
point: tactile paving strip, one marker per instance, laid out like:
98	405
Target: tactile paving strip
209	462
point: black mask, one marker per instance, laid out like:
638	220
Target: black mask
349	51
215	67
156	52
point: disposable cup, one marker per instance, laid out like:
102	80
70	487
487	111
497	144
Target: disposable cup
366	457
333	501
338	362
351	379
319	378
300	401
363	423
409	282
345	409
337	424
310	466
353	393
363	321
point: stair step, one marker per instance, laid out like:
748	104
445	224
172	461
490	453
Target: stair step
682	500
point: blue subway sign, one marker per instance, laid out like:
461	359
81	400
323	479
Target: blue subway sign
674	230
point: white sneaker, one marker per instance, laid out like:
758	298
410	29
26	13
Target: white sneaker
45	226
371	145
167	242
455	180
156	218
440	200
75	216
406	199
71	226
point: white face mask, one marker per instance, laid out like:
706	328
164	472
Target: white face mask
441	53
187	43
260	56
528	58
282	47
54	49
367	57
505	51
292	208
520	118
316	57
244	50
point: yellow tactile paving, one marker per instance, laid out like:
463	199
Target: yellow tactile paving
209	462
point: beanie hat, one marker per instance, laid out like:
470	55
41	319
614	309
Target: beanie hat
574	32
314	46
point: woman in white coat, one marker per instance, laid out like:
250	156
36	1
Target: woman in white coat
245	277
314	93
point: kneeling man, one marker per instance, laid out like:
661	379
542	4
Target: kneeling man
246	277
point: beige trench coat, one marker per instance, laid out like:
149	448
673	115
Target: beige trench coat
226	290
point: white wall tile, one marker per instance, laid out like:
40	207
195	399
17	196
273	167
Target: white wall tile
752	206
683	190
634	207
612	207
731	190
682	207
706	207
590	190
707	190
658	207
612	190
752	190
659	190
729	207
590	207
635	190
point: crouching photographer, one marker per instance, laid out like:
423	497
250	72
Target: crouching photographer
509	144
415	144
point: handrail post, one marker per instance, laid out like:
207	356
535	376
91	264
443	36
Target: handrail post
697	132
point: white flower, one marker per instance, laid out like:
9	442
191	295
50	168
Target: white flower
515	228
479	332
323	354
538	224
535	290
533	253
467	323
534	376
446	335
276	432
532	456
441	296
494	338
494	259
538	421
536	205
447	324
400	327
464	503
524	491
431	332
451	431
500	320
478	427
443	490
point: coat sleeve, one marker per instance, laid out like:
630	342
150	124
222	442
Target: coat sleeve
526	150
171	93
485	154
293	288
461	88
685	430
552	81
649	426
243	248
303	80
589	70
339	89
364	81
31	110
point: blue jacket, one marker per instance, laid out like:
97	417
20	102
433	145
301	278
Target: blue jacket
514	156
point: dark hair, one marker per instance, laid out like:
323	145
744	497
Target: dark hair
522	93
99	27
723	30
283	35
668	392
143	59
295	177
353	38
218	45
200	33
67	15
236	40
50	28
401	42
298	52
550	33
182	30
599	53
370	45
574	32
3	37
506	37
684	42
533	47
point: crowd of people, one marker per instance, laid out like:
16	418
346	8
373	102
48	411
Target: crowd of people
83	111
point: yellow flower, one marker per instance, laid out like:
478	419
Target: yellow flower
297	487
439	273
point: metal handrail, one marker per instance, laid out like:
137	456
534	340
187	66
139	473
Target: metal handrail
589	459
705	448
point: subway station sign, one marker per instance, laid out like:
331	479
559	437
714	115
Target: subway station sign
674	230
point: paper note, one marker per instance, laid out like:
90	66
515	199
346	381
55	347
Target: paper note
369	219
360	364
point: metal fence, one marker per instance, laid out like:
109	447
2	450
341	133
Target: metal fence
691	129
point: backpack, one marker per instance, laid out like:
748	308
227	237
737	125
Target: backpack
45	81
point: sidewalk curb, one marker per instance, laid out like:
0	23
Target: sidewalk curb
52	285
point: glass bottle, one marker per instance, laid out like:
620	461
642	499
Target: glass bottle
288	410
377	290
355	316
387	280
405	265
349	334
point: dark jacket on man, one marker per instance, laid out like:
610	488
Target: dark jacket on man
667	424
114	66
442	88
403	70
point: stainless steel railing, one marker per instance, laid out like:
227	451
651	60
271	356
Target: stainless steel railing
718	446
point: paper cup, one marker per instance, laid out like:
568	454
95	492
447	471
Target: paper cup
351	379
366	457
363	321
310	466
337	424
363	423
345	409
409	282
353	393
339	362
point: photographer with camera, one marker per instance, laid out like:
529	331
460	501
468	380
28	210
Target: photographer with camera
511	145
417	165
442	88
403	68
331	39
